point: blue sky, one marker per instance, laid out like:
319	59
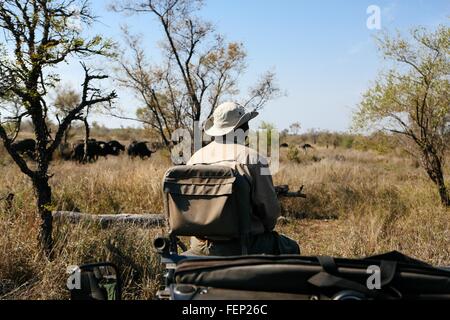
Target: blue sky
322	51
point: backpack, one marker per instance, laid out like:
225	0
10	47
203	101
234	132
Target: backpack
209	202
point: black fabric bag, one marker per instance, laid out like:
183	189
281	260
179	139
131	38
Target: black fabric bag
295	277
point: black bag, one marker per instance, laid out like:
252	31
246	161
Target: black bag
311	278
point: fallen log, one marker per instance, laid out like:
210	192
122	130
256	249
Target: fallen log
107	220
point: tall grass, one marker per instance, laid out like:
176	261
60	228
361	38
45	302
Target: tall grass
359	203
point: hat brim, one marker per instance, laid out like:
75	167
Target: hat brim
214	131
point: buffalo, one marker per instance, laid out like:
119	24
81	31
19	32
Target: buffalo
114	148
139	149
93	151
306	147
25	147
284	145
96	149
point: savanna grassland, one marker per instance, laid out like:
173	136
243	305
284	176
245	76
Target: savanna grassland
359	203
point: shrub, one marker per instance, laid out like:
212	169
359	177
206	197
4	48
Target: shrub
293	154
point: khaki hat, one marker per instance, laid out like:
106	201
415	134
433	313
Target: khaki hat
226	118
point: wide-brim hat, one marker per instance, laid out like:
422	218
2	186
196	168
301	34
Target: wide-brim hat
226	118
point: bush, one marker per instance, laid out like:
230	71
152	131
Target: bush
347	141
293	154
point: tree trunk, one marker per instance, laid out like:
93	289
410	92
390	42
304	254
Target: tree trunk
434	168
66	134
40	178
443	192
44	200
86	139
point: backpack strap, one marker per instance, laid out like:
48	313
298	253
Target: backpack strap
328	264
330	277
243	185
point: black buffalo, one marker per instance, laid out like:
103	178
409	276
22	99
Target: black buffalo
111	148
96	149
139	149
114	148
284	145
25	147
307	146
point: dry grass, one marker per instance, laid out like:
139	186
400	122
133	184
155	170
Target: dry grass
359	203
376	203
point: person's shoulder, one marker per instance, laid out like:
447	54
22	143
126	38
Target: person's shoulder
195	158
199	156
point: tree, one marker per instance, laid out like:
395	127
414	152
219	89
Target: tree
12	106
295	128
265	90
39	35
313	134
284	133
165	106
412	99
200	68
66	100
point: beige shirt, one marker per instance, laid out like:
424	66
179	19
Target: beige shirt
248	163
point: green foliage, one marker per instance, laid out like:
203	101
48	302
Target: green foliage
379	141
412	101
293	154
56	39
347	141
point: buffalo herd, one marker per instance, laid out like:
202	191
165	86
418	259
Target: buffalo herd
81	153
96	149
